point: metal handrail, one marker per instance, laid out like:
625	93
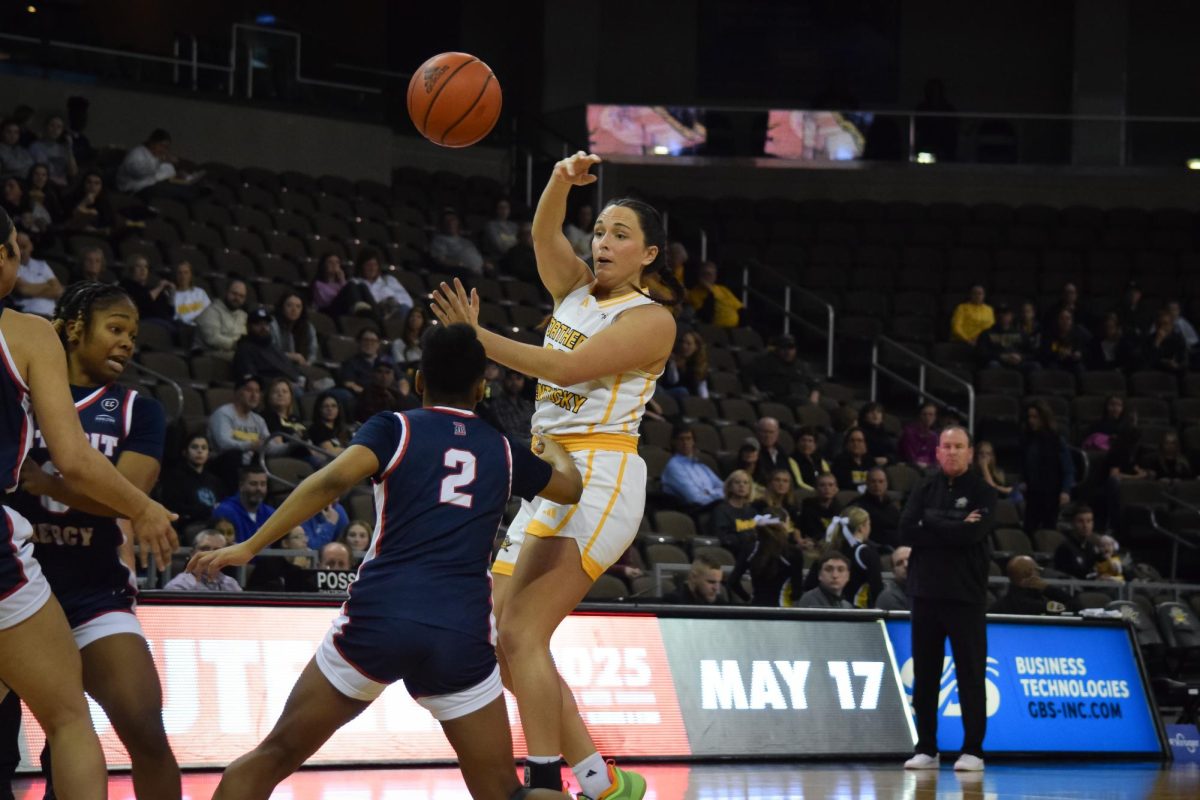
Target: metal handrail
161	378
242	26
789	315
293	439
193	62
923	394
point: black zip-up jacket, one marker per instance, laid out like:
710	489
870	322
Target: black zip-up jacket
950	557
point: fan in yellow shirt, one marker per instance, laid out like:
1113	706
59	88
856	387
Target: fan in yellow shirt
972	317
713	302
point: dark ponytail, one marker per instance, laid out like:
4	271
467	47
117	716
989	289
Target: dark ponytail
80	300
655	234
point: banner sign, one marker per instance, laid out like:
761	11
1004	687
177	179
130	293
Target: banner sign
1050	689
647	687
1185	743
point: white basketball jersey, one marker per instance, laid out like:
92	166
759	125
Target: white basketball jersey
612	404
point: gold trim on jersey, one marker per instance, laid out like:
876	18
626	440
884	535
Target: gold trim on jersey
612	301
593	569
612	442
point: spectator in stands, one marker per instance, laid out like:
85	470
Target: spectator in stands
236	430
189	488
329	282
15	158
91	209
380	394
291	332
1005	344
391	298
511	410
778	501
256	353
808	461
686	372
972	317
833	573
457	254
848	534
1136	316
1183	327
247	509
1048	469
1112	421
1112	349
895	592
37	287
500	232
223	323
1077	554
1068	301
1164	348
77	112
281	573
884	511
1119	464
45	197
715	303
23	116
329	430
150	170
881	445
55	151
357	536
336	556
688	478
406	348
190	300
18	206
1168	464
355	373
1109	565
1063	345
281	415
817	512
1029	594
851	465
205	542
702	587
779	374
326	526
747	457
1030	326
919	439
152	294
520	262
993	475
733	521
93	266
775	562
579	231
770	456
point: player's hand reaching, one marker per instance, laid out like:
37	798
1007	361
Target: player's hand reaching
453	306
207	565
153	534
574	169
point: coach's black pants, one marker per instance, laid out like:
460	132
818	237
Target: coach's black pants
966	625
10	749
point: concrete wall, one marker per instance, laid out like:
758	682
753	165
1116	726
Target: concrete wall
243	135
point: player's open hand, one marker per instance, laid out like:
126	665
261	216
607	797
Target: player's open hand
153	534
35	480
574	169
453	305
207	565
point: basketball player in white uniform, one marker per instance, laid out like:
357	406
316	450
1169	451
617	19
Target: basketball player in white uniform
604	349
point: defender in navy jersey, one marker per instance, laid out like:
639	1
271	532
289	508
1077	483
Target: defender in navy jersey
420	610
80	546
38	658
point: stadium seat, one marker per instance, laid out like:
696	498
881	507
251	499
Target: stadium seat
699	408
1013	541
738	410
1052	381
1093	599
779	411
289	470
606	587
675	524
902	477
1151	383
1007	514
1149	639
707	439
718	554
1047	540
1180	628
1000	381
733	437
1102	383
1150	410
665	554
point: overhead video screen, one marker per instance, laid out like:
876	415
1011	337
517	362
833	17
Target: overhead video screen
644	130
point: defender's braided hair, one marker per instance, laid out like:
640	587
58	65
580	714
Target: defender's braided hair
80	300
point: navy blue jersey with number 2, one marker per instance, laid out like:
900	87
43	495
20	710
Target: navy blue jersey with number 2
443	482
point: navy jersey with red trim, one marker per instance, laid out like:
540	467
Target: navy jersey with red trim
77	550
16	422
444	480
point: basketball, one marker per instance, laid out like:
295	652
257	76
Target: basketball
454	99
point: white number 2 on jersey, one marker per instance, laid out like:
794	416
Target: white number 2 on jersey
455	482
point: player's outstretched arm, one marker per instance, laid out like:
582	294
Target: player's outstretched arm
566	484
641	338
561	271
322	488
83	467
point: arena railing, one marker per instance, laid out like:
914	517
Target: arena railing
1177	538
923	365
161	378
793	296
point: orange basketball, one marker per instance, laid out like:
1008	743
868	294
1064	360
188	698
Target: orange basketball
454	99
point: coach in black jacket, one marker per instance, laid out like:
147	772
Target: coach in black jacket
947	522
